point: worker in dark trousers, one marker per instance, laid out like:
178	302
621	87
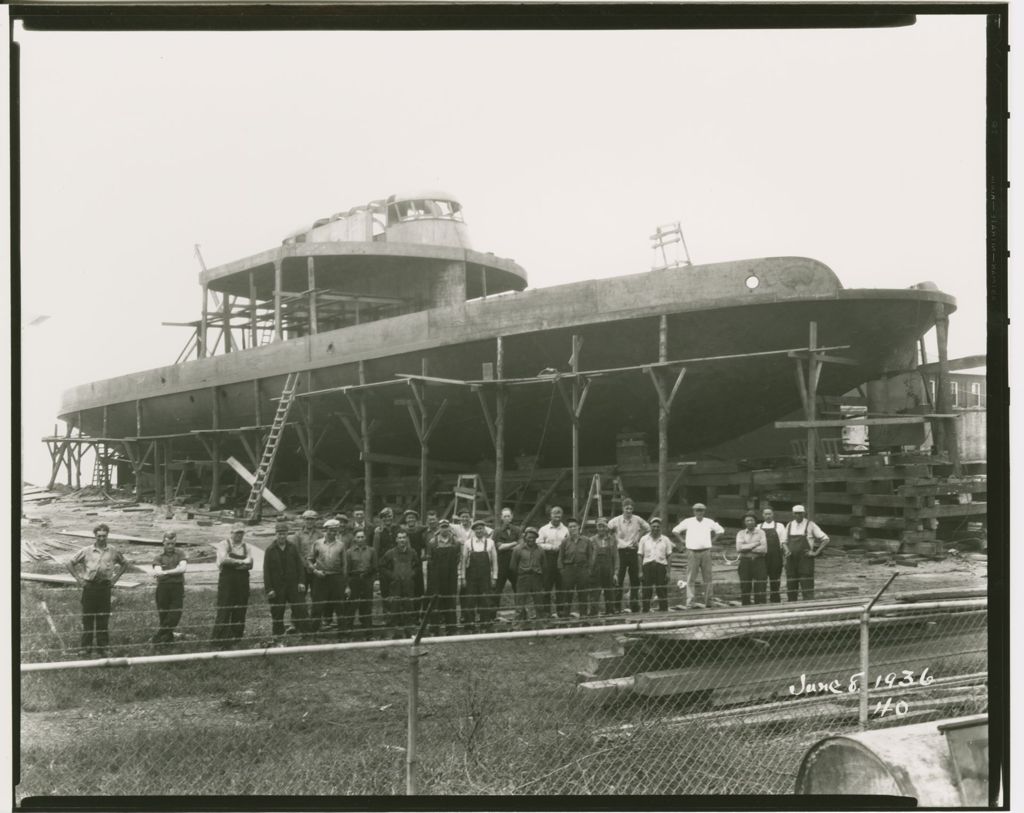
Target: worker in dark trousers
775	558
628	529
385	537
97	568
478	573
550	539
326	565
444	560
284	574
401	567
604	577
752	546
655	555
805	541
234	563
575	560
308	535
169	570
528	565
506	538
361	569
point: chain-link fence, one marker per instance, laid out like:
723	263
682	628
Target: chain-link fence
720	701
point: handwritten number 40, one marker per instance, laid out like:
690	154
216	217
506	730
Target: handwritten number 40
890	680
900	708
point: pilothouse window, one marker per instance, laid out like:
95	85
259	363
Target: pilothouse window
424	208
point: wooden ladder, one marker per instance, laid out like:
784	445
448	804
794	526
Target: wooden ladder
598	494
291	383
469	487
100	472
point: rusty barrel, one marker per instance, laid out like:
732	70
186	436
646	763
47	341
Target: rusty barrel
941	763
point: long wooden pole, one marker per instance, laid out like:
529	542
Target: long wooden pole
952	446
229	340
364	434
311	283
309	443
811	399
663	429
203	322
253	337
575	426
278	329
499	430
424	449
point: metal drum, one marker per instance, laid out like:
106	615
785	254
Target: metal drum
914	760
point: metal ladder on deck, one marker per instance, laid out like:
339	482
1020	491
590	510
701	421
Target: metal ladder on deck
598	494
100	471
469	487
291	383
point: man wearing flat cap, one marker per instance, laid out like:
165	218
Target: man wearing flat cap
444	557
698	533
307	536
805	542
385	538
604	572
326	564
654	552
477	575
528	564
284	581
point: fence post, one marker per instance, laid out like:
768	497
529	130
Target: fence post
865	683
412	780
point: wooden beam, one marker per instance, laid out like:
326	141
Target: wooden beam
204	319
823	357
253	329
278	328
498	435
413	462
909	419
311	275
952	365
248	476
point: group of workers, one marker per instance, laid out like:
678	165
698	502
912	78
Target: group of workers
323	575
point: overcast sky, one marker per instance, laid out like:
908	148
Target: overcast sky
861	148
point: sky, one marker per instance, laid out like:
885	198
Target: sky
860	148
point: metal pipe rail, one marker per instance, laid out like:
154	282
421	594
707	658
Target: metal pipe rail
639	626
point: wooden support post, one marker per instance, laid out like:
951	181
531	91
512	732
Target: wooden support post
257	399
309	444
168	477
311	277
157	472
364	434
278	329
663	430
229	340
952	446
424	426
203	319
499	429
215	484
813	368
253	332
138	417
104	430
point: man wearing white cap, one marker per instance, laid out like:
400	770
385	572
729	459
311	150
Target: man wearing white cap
307	537
698	533
327	566
805	541
233	563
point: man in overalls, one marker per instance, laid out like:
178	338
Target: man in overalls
478	574
775	534
234	563
444	558
805	541
385	538
604	578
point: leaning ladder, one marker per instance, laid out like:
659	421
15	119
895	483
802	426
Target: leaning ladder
273	441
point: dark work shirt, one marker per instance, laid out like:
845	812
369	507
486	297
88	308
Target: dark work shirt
283	568
168	561
577	551
360	560
527	560
404	569
384	539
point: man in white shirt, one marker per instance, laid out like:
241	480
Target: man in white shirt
805	541
628	529
550	539
775	535
698	533
654	552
